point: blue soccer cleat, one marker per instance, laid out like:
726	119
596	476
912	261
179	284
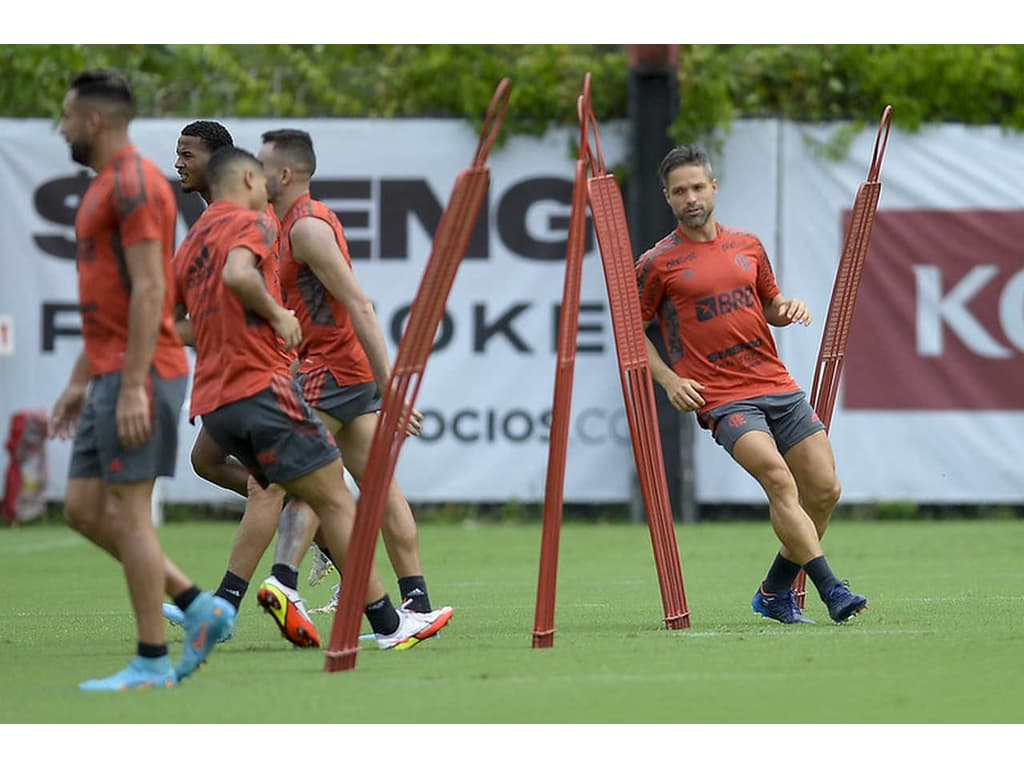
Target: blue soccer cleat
141	673
176	618
844	604
780	606
174	614
207	619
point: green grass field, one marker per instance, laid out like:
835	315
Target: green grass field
941	643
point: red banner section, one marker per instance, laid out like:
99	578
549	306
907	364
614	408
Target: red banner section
939	323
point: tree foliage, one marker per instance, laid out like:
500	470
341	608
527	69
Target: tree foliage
970	84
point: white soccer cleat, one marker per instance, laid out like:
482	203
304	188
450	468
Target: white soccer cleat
414	627
321	566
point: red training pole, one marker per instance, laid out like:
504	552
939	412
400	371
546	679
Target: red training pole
449	247
609	217
544	617
834	338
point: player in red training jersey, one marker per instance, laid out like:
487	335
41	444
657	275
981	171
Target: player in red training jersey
713	292
226	280
278	595
126	390
344	364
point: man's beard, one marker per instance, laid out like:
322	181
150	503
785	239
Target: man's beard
81	152
696	222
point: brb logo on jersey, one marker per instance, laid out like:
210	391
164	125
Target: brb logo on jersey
724	303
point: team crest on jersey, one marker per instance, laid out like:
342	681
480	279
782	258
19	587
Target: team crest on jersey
744	262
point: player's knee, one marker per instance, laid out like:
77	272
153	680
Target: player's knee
826	495
202	466
81	517
777	482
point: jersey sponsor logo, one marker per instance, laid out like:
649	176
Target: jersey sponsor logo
200	269
735	349
723	303
681	259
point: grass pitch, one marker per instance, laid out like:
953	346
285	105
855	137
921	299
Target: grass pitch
942	641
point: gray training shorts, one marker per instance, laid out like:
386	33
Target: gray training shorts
274	433
97	450
345	403
788	418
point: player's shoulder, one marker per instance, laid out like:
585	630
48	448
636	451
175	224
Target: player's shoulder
738	237
657	251
131	166
309	212
320	208
266	222
266	218
314	219
138	184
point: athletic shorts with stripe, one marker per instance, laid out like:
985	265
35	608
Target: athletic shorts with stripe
788	418
97	450
274	433
345	403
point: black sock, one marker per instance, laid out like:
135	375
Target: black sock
184	600
286	574
327	554
150	651
382	616
781	575
819	572
232	588
414	588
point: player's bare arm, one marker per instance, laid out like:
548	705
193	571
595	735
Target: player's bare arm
781	312
68	408
313	243
683	394
144	262
183	326
246	282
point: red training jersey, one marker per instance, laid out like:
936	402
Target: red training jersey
329	340
709	298
237	351
129	202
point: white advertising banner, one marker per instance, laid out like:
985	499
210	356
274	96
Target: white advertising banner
929	409
487	389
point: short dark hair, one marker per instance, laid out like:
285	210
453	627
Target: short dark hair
225	159
212	134
685	154
107	84
296	145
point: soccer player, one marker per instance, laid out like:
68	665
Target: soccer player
279	594
344	359
127	387
226	279
714	294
